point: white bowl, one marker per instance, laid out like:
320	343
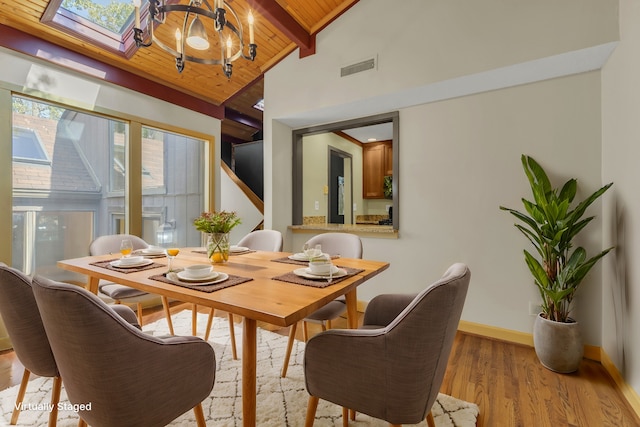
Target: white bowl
198	271
321	268
131	260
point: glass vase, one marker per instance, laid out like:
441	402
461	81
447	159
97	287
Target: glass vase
218	247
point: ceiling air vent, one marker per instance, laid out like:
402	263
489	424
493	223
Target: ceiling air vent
359	67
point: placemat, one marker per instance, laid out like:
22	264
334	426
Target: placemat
231	281
317	283
107	264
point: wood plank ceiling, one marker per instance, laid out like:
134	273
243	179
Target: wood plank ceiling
281	26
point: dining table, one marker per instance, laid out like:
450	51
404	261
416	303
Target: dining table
261	286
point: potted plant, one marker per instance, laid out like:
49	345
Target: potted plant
217	226
551	223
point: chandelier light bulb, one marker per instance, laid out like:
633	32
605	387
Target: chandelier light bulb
197	35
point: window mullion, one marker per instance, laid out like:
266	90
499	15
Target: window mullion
133	177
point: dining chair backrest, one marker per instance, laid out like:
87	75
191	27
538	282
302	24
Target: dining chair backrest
405	339
110	244
129	377
346	245
23	323
263	240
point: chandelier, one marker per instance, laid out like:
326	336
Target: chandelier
191	38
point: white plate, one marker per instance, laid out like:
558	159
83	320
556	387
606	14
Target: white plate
236	249
185	277
220	278
299	257
142	263
152	251
304	272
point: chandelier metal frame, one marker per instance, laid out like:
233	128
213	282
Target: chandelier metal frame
158	11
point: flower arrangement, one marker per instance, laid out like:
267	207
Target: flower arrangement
216	222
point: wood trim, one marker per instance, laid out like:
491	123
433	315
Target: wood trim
259	204
627	391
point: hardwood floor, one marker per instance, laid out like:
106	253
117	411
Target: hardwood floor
505	380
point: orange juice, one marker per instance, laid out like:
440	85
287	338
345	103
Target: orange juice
173	251
125	252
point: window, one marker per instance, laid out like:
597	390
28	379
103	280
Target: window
105	23
172	187
58	209
27	147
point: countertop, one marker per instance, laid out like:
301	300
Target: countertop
364	230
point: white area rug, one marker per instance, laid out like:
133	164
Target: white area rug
280	401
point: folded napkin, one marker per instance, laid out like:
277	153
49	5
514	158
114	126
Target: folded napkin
231	281
317	283
107	265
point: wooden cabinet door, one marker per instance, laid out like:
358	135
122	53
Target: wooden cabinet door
373	170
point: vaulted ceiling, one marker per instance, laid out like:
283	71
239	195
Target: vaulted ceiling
281	26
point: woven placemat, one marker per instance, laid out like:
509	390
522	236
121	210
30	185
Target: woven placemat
231	281
317	283
107	264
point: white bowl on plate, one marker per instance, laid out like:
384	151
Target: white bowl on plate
198	271
320	267
131	260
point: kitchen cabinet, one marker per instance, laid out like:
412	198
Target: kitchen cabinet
377	162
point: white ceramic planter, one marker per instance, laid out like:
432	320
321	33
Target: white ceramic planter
558	345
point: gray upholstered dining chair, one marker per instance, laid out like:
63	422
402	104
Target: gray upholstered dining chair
110	244
129	378
335	244
258	240
24	326
391	368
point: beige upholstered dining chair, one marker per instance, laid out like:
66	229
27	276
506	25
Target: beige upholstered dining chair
24	326
259	240
110	244
392	368
335	244
129	378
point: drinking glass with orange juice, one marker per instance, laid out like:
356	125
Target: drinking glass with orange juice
126	247
171	254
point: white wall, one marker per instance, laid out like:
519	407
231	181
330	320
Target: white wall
459	157
620	136
234	200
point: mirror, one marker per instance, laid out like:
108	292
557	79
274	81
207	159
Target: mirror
339	177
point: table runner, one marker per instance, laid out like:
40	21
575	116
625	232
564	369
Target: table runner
317	283
231	281
107	264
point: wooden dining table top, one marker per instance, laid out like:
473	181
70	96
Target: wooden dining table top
263	298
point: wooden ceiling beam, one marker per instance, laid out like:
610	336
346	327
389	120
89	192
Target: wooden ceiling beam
239	117
279	17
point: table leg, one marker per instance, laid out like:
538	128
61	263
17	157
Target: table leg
352	309
249	350
92	285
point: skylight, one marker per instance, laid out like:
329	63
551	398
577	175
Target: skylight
104	23
259	105
113	15
27	147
